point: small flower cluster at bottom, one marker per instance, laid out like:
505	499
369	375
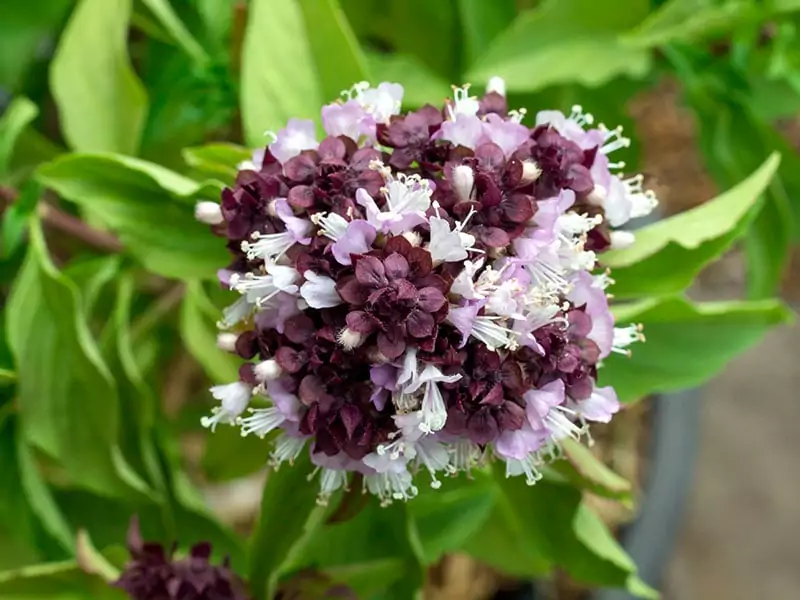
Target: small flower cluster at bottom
419	290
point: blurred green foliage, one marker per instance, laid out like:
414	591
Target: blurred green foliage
120	114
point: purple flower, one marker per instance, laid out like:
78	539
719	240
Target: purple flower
466	130
357	239
349	119
586	293
600	406
506	134
416	289
298	135
154	573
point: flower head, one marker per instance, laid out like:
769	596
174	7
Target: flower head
417	288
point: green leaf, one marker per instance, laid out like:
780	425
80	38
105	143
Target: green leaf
420	84
667	255
289	514
276	86
368	579
40	499
554	43
482	22
375	534
606	561
442	520
149	207
582	468
167	16
510	540
691	20
56	581
66	393
338	57
92	561
102	104
198	318
713	333
551	519
24	26
14	120
17	521
219	160
17	216
7	377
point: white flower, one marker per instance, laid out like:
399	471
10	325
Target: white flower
463	103
625	336
331	225
464	284
298	135
234	398
447	245
259	289
319	291
381	102
238	311
408	197
433	410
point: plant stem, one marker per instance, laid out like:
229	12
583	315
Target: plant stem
66	223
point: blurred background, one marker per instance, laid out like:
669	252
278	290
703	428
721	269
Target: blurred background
706	89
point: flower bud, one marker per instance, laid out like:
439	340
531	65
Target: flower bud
621	239
530	171
227	341
208	212
413	238
463	182
597	196
496	85
268	370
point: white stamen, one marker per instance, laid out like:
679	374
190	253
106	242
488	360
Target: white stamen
486	329
391	486
330	481
349	339
463	103
413	238
580	117
642	201
530	171
287	448
331	225
614	140
261	421
528	466
268	247
625	336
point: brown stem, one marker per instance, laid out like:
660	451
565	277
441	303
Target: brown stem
237	35
57	219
